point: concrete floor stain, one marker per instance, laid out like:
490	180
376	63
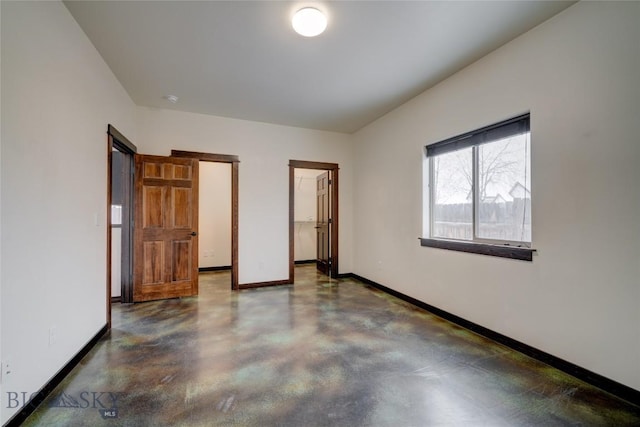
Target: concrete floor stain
320	353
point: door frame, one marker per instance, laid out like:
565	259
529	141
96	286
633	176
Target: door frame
118	141
235	162
333	169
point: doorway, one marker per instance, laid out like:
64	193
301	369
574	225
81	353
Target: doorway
234	162
122	159
305	239
214	223
120	166
324	215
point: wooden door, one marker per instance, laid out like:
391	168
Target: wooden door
323	223
165	228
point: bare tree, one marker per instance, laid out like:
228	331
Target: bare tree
499	165
450	177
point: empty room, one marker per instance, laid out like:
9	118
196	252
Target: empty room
319	213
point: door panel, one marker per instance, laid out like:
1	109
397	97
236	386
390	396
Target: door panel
323	223
182	207
153	196
181	260
153	258
166	221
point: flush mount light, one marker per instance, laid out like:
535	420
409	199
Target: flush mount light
309	22
171	98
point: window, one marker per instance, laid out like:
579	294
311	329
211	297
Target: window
479	190
116	214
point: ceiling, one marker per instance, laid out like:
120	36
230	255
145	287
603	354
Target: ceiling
242	59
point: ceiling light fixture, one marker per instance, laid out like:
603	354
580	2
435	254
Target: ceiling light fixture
171	98
309	22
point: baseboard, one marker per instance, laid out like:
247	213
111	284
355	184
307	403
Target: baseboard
620	390
116	300
264	284
41	395
305	261
221	268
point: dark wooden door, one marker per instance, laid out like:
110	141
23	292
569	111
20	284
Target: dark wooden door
323	223
165	228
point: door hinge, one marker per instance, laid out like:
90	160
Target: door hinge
330	182
330	221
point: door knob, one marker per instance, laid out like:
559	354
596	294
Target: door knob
193	233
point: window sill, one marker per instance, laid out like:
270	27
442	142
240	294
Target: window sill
523	254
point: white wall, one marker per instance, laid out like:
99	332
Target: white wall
214	219
264	151
58	97
116	261
305	214
1	361
580	297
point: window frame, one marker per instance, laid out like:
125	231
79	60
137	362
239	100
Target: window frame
502	248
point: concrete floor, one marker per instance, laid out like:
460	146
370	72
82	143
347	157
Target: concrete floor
320	353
